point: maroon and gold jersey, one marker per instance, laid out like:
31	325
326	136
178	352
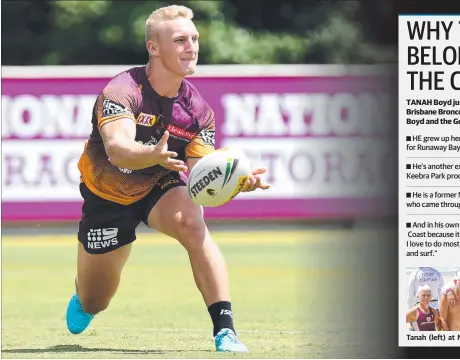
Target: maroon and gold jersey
188	118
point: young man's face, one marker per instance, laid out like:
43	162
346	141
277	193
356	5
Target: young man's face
178	46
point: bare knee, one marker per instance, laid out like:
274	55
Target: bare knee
94	305
191	231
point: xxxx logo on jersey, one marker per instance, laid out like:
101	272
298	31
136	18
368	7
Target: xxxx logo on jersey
146	119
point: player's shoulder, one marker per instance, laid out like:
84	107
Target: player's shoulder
127	80
122	94
196	105
190	88
192	95
413	311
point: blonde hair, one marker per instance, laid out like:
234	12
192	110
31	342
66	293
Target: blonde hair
164	14
425	287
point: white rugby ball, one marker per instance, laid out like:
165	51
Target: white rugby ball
218	177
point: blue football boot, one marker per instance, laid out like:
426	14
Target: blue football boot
77	318
226	340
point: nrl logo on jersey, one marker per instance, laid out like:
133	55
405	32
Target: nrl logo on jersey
111	108
147	119
208	137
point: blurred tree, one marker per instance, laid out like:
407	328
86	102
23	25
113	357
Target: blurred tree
338	31
25	26
231	31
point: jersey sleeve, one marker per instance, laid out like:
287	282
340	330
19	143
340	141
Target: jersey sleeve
204	141
117	101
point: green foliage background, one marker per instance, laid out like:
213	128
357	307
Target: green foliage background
231	32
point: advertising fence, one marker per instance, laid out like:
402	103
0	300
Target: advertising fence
321	131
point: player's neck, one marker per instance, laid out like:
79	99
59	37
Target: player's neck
162	81
425	308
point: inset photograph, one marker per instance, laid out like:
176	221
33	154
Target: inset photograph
433	298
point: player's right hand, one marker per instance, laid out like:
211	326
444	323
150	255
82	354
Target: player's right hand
164	157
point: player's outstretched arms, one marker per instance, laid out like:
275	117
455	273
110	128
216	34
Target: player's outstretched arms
123	151
191	162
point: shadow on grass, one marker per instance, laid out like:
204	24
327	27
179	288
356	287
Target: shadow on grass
78	348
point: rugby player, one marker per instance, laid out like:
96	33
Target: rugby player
150	125
450	314
426	276
423	317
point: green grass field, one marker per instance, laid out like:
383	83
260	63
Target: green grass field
158	313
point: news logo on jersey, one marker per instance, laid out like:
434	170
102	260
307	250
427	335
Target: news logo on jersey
102	238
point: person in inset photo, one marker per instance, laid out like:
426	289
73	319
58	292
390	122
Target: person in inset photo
421	276
448	289
450	313
423	317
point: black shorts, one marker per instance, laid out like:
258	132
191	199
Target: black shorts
106	225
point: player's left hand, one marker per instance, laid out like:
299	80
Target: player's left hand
255	182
